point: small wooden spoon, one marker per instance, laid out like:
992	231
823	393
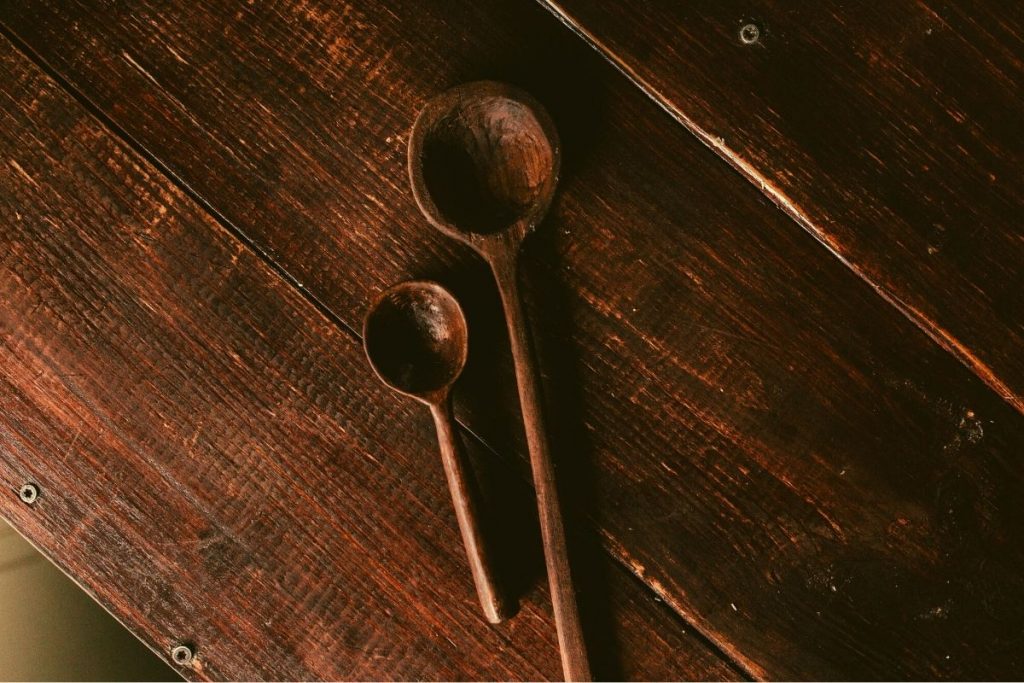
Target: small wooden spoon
484	160
416	339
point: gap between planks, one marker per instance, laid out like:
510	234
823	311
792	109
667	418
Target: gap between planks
940	336
615	550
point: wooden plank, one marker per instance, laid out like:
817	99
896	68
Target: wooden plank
784	458
216	464
890	131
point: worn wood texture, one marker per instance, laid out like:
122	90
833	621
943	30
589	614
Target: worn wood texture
786	459
217	464
890	131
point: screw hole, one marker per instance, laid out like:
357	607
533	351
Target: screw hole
28	493
182	655
750	33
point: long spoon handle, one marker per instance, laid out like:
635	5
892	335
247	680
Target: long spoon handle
556	553
467	511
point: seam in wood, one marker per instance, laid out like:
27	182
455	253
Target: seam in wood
943	338
747	667
614	549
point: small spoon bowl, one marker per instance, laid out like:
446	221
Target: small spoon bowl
416	339
483	159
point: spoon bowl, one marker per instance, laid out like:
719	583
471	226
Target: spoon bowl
484	161
416	338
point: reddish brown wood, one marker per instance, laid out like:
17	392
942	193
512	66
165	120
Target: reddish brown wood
216	463
416	340
483	162
890	131
786	460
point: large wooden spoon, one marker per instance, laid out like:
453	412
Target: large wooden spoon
484	160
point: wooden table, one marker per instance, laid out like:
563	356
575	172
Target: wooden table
778	301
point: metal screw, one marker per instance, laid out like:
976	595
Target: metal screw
750	33
28	493
182	655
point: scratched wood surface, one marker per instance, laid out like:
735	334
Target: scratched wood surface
216	464
789	463
891	131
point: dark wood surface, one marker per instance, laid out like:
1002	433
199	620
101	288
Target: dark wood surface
216	464
780	455
890	131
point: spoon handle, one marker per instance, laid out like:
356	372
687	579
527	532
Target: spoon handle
466	498
556	553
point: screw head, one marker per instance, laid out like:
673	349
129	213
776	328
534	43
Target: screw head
750	33
28	493
182	655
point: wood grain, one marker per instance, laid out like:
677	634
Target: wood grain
782	456
217	465
890	131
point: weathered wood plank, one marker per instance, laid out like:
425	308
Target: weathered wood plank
216	463
890	131
785	458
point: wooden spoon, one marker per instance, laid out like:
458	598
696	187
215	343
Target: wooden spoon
416	339
484	160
